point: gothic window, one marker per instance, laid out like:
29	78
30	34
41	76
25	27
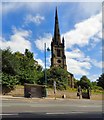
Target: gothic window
58	53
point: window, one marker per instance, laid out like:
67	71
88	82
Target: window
58	53
59	61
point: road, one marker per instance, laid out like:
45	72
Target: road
50	108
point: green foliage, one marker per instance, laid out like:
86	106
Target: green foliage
76	83
54	74
40	78
18	68
96	88
28	54
9	62
94	85
59	75
9	81
100	81
84	82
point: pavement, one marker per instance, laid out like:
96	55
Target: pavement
6	97
49	108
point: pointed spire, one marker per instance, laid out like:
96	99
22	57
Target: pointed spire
56	29
56	15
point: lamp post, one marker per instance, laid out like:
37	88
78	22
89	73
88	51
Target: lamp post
45	74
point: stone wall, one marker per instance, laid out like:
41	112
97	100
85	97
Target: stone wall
18	91
59	94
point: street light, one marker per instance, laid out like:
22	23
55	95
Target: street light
45	74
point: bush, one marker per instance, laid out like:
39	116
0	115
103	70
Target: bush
9	81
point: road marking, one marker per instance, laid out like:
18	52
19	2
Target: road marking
90	106
8	114
55	113
77	112
64	113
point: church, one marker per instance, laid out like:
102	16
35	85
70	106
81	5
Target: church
58	58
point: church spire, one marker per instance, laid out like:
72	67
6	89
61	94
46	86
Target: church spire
56	29
58	58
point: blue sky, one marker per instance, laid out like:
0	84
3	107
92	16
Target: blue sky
30	25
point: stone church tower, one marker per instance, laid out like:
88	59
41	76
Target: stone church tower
58	58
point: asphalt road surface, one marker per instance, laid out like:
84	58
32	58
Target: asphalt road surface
52	109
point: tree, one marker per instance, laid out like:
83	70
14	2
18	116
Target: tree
9	81
28	54
100	81
84	82
18	68
76	83
29	68
54	74
59	75
9	69
9	62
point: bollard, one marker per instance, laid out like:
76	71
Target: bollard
64	96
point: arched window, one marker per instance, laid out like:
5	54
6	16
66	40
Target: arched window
58	53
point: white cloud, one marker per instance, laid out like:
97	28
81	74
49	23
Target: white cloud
99	64
48	61
47	38
77	67
40	62
93	77
19	41
77	62
35	19
84	31
76	53
95	39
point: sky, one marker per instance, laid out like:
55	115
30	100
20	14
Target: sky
28	25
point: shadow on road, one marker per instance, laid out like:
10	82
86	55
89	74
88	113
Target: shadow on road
50	116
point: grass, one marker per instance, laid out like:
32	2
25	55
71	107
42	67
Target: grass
97	92
75	90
